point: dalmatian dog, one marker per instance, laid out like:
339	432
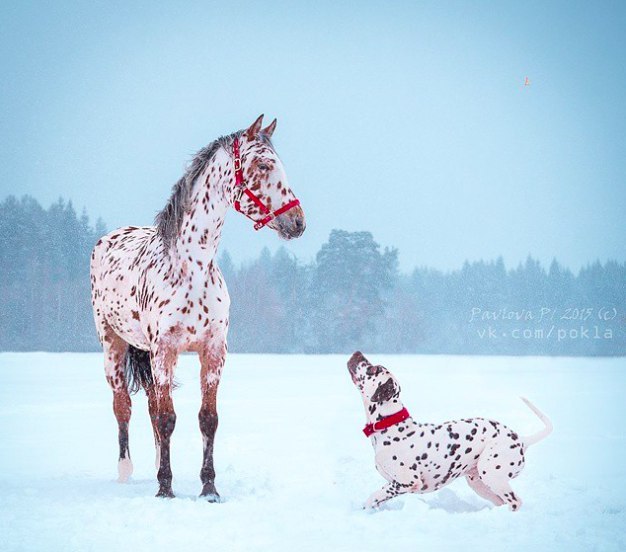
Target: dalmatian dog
420	458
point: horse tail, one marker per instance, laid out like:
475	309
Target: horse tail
138	371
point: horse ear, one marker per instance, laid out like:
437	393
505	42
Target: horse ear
254	129
269	129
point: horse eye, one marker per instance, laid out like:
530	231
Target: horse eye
263	167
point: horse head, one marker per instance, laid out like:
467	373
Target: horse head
261	191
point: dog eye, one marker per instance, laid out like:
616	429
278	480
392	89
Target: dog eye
373	370
263	167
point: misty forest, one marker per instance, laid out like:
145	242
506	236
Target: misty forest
352	296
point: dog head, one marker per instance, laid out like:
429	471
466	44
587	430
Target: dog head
375	382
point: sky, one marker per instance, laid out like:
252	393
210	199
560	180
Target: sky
407	119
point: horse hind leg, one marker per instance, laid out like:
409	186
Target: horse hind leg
162	415
152	409
115	349
163	363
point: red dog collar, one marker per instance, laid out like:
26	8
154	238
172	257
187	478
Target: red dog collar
386	422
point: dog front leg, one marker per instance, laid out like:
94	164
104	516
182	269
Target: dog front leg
390	490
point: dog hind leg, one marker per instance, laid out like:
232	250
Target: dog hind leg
503	490
492	471
479	487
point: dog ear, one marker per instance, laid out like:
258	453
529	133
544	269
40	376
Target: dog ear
385	391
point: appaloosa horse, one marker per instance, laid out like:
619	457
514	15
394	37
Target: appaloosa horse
157	291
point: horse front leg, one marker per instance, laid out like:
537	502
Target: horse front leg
211	360
163	365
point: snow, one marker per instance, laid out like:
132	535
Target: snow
293	467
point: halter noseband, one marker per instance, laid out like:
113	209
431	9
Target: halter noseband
243	189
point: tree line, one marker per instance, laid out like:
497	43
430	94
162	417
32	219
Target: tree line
352	296
45	302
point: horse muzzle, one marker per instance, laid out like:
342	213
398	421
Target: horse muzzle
292	224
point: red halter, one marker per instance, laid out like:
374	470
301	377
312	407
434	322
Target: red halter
389	421
243	189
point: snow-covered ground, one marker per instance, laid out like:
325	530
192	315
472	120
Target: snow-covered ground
293	467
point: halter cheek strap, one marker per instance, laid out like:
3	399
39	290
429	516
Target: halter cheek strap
241	189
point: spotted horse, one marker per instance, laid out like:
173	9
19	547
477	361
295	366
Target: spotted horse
157	290
420	457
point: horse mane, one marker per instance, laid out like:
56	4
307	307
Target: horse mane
170	219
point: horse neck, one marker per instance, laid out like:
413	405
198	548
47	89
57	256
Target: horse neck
204	218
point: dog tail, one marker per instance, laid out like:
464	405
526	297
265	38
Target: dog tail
540	435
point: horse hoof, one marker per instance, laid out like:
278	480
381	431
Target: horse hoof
210	492
165	493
